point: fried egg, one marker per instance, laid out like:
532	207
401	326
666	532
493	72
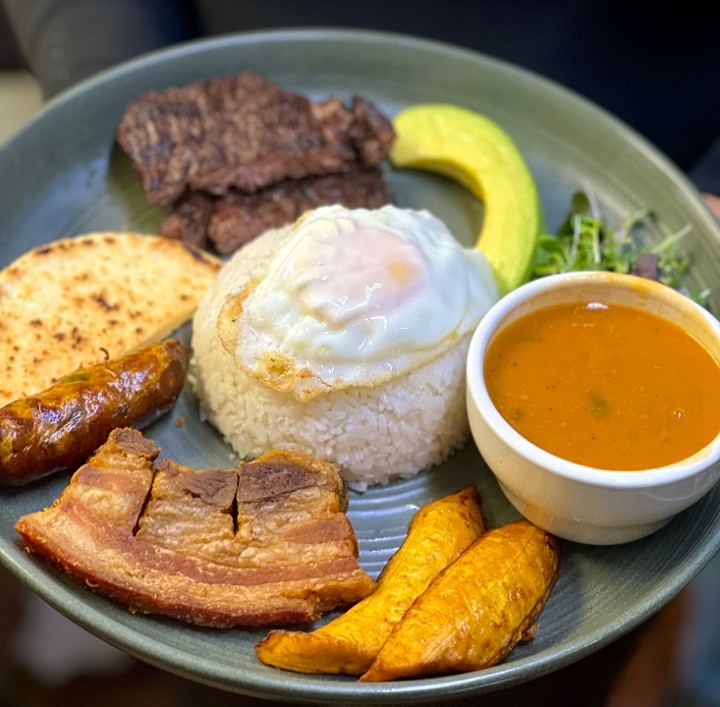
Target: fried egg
354	298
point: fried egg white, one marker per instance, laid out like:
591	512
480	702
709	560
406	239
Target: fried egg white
354	298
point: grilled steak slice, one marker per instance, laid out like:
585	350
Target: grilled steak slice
237	217
243	131
263	545
189	219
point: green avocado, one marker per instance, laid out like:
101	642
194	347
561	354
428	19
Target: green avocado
475	151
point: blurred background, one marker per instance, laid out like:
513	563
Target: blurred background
657	69
20	92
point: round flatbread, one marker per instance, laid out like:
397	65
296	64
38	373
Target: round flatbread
74	301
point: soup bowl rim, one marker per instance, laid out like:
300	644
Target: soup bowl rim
479	398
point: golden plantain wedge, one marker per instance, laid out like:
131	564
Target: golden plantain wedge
438	534
474	613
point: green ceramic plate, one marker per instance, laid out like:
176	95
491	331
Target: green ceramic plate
62	175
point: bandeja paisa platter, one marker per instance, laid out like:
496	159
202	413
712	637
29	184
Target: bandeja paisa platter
63	175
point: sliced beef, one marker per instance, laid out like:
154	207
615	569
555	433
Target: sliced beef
189	219
266	544
244	132
230	221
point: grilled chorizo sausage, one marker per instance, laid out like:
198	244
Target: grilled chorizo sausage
61	426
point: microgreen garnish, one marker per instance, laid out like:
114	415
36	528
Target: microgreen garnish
586	241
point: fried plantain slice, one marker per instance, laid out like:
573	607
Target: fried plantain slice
474	613
438	534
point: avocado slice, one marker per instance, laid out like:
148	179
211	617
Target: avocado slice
476	152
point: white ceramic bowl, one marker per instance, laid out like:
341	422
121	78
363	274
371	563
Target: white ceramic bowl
570	500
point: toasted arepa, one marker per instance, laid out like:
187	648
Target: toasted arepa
76	301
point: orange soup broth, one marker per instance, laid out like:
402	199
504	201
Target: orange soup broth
612	387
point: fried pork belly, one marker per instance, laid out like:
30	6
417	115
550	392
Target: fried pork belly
267	544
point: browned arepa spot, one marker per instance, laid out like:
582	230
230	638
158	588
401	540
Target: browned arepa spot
266	544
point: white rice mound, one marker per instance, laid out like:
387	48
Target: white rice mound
373	433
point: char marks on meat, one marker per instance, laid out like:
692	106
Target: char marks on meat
267	544
231	220
189	219
231	157
244	132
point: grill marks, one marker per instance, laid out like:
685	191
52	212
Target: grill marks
263	545
230	157
246	132
229	221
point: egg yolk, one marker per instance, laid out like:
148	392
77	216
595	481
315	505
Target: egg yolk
351	270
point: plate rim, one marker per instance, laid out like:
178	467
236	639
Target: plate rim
465	684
